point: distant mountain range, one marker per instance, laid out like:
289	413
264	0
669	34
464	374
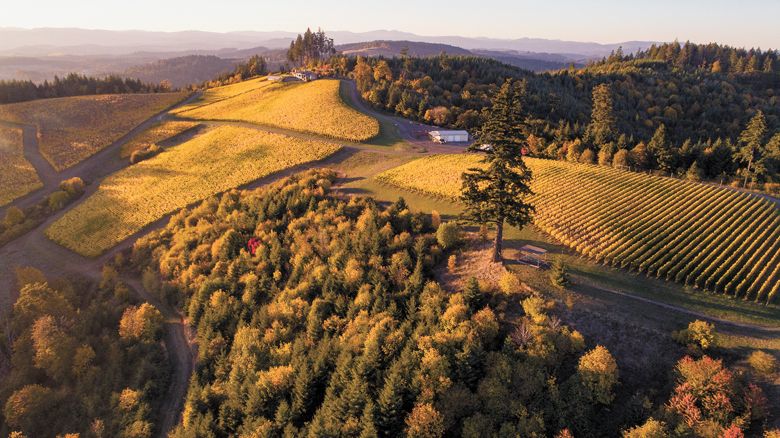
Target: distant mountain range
59	41
195	56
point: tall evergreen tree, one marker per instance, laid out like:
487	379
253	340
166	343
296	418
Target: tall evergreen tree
751	144
661	150
603	125
495	193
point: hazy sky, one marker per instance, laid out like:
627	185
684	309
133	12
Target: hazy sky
735	22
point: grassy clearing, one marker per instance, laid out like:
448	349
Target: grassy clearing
314	107
158	133
17	175
71	129
221	159
666	228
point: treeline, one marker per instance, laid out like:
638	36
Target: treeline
702	114
319	316
310	47
712	57
73	85
254	66
81	360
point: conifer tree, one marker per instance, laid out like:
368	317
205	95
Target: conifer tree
603	125
751	144
558	275
495	193
662	152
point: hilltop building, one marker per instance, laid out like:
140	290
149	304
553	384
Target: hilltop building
449	136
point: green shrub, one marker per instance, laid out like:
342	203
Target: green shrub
58	199
448	235
764	363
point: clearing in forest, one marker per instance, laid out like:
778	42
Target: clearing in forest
313	107
218	160
71	129
701	235
17	176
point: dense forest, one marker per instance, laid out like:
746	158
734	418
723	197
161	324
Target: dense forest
74	85
715	58
255	66
318	315
699	114
83	359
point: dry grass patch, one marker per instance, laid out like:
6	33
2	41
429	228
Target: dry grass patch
313	107
220	159
71	129
17	175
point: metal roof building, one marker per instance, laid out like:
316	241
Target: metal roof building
449	136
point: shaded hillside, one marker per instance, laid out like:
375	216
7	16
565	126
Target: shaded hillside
530	60
395	48
182	71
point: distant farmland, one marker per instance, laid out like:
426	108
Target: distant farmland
71	129
314	107
701	235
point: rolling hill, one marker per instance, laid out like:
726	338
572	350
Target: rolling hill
700	235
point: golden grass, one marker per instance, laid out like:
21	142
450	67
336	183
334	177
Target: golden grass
71	129
701	235
17	176
216	94
220	159
157	133
314	107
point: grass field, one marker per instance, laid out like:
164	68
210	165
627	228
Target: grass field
217	94
71	129
17	175
156	134
218	160
672	229
313	107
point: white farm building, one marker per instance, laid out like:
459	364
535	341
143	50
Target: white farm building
449	136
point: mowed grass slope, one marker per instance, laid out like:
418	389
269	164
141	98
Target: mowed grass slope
218	160
313	107
696	234
17	175
158	133
71	129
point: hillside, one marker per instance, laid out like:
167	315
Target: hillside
396	48
70	129
181	71
659	226
314	107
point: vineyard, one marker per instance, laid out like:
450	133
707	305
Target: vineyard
314	107
218	160
158	133
17	175
700	235
71	129
216	94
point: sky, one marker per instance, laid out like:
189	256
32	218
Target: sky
744	23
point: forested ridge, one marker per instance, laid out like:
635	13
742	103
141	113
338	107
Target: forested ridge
318	315
701	112
74	85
